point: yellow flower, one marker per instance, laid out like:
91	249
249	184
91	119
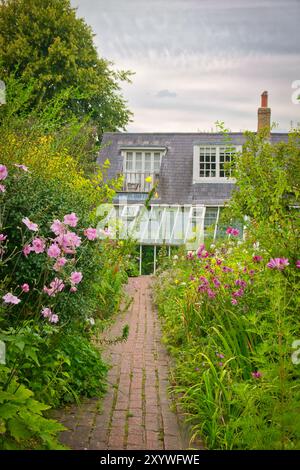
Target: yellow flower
176	281
148	179
156	195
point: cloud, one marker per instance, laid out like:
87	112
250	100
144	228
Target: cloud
166	94
218	55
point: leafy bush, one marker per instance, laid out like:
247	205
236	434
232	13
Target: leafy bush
230	314
22	424
230	322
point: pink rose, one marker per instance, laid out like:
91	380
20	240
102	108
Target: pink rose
3	172
38	245
11	299
56	286
54	318
26	250
46	312
76	277
60	262
30	225
57	227
53	251
71	219
90	233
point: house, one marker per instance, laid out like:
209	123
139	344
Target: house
186	174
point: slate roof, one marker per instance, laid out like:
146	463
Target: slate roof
176	174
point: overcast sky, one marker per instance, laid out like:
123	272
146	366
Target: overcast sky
199	61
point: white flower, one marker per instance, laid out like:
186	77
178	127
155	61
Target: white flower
175	257
91	321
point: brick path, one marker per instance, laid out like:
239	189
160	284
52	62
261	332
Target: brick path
135	413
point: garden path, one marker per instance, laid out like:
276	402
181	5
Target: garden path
136	412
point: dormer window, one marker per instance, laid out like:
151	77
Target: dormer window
141	167
142	161
209	164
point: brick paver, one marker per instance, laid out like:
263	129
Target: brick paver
136	412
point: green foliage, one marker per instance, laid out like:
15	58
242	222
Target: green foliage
230	321
44	39
22	424
219	346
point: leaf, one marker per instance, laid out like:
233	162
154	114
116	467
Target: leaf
18	429
8	410
2	427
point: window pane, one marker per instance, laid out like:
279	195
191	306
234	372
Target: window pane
138	161
129	161
207	162
147	161
226	154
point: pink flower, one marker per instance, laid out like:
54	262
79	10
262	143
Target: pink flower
238	293
90	233
200	250
190	255
25	287
22	167
2	188
73	289
211	294
220	355
234	301
232	231
30	225
76	277
57	227
257	259
278	263
256	374
216	282
60	262
2	237
53	251
38	245
68	242
71	219
241	283
3	172
219	262
46	312
54	318
26	250
56	286
298	263
226	269
11	299
220	364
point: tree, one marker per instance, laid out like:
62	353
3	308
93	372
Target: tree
44	40
268	192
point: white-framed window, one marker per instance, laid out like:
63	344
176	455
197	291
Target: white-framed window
209	164
142	161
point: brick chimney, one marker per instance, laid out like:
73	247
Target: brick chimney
264	114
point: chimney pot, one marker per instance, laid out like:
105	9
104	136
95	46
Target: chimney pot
264	99
264	114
